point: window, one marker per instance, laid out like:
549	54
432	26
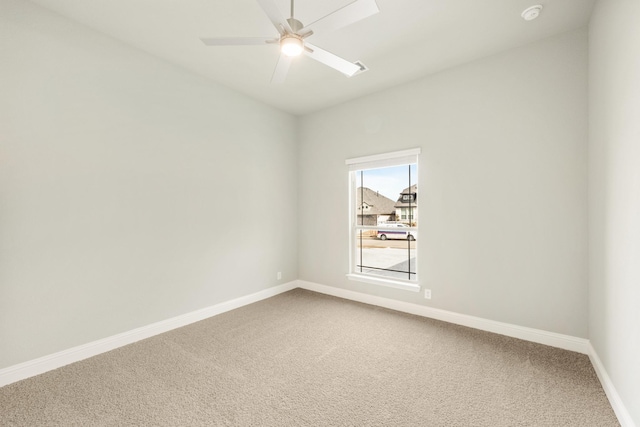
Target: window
383	217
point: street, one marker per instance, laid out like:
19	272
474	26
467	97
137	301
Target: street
373	242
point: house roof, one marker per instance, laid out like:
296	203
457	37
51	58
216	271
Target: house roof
378	204
409	190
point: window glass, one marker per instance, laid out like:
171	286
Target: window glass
385	226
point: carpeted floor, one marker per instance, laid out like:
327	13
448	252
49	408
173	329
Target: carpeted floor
305	359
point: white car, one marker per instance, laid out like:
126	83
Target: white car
397	231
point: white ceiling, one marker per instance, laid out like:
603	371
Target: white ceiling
406	40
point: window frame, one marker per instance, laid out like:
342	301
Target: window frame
397	158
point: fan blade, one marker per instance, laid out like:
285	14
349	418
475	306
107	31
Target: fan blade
275	17
282	68
333	61
353	12
237	41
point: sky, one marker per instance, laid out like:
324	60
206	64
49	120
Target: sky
388	181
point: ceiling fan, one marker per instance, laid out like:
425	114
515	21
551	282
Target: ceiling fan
293	34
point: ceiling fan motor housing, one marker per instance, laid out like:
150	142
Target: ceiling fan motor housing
295	24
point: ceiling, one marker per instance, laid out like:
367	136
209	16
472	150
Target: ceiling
406	40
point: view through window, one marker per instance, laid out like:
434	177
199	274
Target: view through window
385	218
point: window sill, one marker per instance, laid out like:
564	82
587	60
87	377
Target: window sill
407	286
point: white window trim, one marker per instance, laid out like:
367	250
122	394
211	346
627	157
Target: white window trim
383	160
374	162
390	283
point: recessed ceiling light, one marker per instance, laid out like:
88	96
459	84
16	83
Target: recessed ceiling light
532	12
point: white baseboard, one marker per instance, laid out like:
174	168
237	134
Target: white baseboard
566	342
53	361
612	394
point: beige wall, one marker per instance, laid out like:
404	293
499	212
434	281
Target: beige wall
614	194
503	184
117	175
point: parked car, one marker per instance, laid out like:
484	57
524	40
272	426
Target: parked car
397	231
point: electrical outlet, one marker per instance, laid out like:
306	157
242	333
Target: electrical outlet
427	293
279	275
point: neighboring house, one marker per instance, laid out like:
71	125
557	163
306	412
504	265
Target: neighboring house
406	207
373	207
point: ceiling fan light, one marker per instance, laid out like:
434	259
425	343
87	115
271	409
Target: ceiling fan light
291	46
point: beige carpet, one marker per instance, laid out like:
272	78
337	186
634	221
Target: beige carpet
305	359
